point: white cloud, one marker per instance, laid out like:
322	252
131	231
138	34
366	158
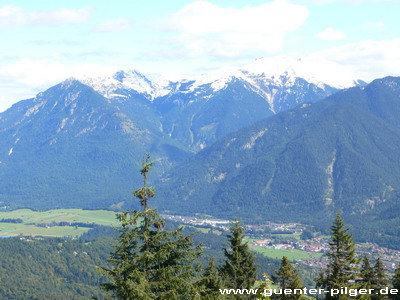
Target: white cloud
368	59
17	16
330	34
116	25
204	28
24	78
352	2
373	25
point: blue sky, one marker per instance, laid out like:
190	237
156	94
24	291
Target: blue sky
44	42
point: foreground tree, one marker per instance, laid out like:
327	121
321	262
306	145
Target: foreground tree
379	280
149	262
340	272
396	282
264	286
366	271
239	269
288	279
211	283
367	275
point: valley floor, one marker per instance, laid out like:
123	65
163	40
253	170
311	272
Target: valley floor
273	240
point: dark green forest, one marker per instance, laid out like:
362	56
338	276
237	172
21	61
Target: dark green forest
51	268
56	268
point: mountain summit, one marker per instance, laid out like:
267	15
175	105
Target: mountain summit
313	70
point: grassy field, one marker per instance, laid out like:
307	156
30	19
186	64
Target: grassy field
287	236
200	229
204	230
7	229
100	217
292	254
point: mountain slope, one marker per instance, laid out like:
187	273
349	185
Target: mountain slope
71	147
199	120
301	164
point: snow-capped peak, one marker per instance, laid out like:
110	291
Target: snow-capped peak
312	69
218	79
152	85
280	70
105	86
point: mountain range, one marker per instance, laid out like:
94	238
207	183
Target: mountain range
74	144
198	110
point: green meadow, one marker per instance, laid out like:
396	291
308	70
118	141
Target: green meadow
292	254
100	217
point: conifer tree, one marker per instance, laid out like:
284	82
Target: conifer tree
366	271
340	270
239	269
288	279
379	280
396	283
367	274
211	282
264	287
149	262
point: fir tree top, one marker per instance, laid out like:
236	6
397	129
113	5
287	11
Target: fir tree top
239	267
150	262
341	270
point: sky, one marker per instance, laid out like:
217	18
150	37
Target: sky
44	42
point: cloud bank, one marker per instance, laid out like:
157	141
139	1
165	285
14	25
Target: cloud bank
11	16
368	59
116	25
330	34
203	28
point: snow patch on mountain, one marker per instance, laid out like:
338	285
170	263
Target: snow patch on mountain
71	97
34	109
150	85
62	124
218	79
10	152
254	138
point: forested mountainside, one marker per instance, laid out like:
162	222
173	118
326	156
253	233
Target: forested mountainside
70	147
303	164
